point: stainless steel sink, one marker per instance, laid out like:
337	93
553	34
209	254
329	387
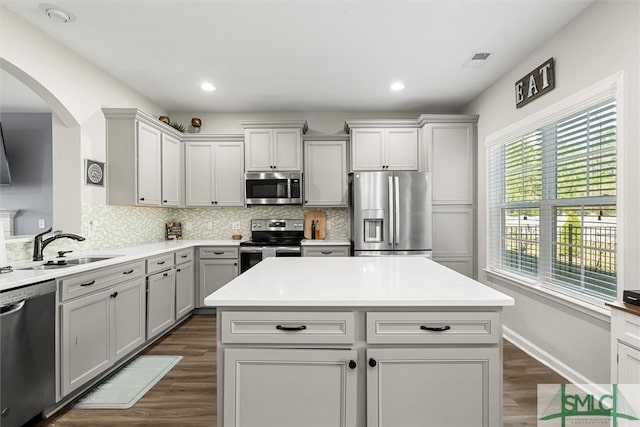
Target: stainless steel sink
53	265
87	260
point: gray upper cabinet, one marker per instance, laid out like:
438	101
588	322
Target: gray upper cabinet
214	172
273	146
171	171
383	145
140	150
450	159
325	173
148	149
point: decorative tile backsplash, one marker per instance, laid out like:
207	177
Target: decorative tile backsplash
107	227
216	223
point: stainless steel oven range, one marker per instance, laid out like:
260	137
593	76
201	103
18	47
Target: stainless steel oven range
271	237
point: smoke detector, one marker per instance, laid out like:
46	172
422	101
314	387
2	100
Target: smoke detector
57	13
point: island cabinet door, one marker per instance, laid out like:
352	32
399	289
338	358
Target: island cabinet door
281	388
454	387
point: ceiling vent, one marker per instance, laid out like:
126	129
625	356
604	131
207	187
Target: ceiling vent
477	60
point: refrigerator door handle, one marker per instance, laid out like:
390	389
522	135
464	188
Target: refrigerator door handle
396	211
391	212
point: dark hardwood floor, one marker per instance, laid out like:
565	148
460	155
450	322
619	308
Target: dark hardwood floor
186	396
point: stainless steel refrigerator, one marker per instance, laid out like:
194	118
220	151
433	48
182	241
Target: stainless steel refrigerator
390	213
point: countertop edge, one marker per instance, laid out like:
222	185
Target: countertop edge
19	278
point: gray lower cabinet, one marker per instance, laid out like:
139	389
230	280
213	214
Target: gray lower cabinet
217	266
185	289
326	250
416	368
161	315
446	386
313	387
98	329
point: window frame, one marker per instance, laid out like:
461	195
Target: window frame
609	88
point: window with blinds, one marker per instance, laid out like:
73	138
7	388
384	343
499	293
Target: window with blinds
552	203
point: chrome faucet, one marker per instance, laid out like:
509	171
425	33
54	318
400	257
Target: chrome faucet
39	244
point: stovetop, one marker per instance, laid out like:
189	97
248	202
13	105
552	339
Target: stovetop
275	232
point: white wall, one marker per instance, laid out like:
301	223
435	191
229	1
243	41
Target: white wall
75	88
327	122
601	41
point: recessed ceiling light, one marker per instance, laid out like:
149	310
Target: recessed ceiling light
208	87
57	13
397	86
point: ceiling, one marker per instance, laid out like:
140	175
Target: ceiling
308	55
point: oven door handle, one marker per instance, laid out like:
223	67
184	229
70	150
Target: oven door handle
258	249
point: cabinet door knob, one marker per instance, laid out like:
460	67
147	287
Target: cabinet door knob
372	362
435	329
235	263
178	270
115	294
165	274
212	202
142	199
352	364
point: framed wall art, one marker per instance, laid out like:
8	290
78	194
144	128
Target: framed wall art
94	172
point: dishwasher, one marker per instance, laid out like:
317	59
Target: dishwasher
27	352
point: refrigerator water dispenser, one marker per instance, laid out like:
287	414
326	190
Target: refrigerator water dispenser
373	230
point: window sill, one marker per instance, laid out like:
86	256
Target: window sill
598	311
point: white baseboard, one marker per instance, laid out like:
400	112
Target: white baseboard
551	362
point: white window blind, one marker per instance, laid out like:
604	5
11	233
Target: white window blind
552	203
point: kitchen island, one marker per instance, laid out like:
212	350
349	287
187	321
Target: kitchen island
358	341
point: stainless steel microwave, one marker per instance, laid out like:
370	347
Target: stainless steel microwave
273	188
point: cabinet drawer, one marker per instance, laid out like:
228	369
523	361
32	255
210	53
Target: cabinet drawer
159	263
221	252
82	284
184	255
325	251
433	327
287	327
626	327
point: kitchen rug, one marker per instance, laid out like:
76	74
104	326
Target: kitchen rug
127	386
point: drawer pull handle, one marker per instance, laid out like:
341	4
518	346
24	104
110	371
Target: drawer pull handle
128	272
327	252
372	362
291	328
439	329
183	256
88	283
352	364
160	262
218	253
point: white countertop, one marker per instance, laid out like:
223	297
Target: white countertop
392	281
120	255
325	242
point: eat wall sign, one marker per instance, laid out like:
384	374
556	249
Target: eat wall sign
535	84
